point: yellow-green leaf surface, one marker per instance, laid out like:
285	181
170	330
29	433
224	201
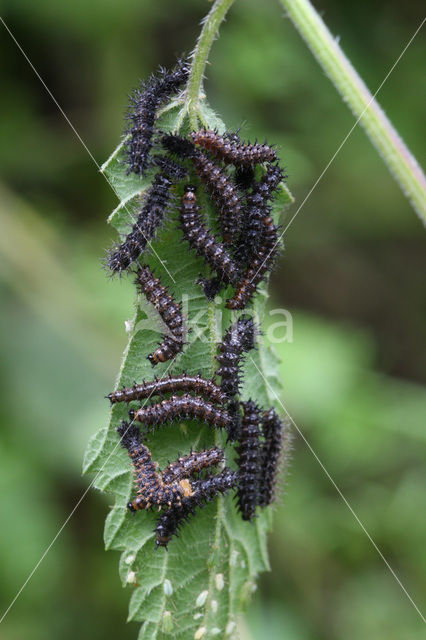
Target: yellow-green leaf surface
208	574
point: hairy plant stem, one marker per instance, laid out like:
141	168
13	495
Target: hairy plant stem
399	160
201	52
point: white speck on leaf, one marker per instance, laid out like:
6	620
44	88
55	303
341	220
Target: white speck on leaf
201	600
167	587
219	581
230	628
131	577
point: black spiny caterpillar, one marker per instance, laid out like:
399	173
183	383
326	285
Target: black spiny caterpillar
144	104
274	434
203	492
239	339
148	220
258	208
248	450
261	266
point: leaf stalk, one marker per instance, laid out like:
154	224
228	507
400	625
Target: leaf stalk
200	55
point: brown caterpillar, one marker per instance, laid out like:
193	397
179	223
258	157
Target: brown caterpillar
171	384
194	462
232	150
204	242
181	407
151	488
224	194
169	311
175	484
220	186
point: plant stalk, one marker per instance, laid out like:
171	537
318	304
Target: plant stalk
399	160
201	52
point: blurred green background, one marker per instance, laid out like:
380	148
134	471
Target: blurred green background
352	276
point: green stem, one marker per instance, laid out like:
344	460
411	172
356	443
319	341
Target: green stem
399	160
208	34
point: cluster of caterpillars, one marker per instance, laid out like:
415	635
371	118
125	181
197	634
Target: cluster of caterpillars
240	179
189	482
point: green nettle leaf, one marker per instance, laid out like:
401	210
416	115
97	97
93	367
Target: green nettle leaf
208	573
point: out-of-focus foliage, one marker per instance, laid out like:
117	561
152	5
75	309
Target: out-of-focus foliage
351	276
